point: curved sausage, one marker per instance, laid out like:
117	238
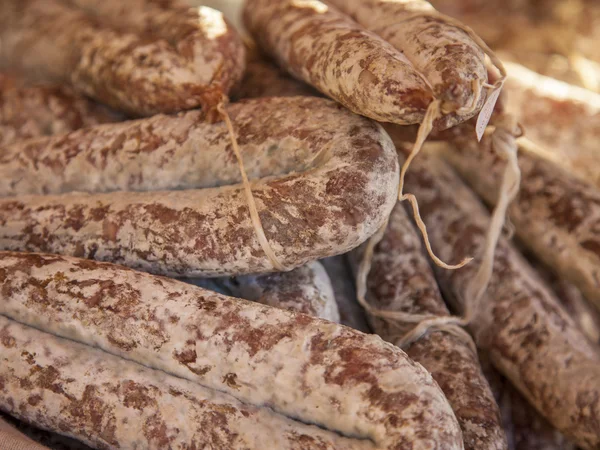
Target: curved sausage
331	186
326	49
555	215
445	54
44	110
312	370
111	403
401	280
562	121
521	325
158	59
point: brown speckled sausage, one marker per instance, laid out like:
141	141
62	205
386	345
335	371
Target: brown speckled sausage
111	403
44	110
325	48
443	53
571	298
556	216
525	428
310	369
401	280
157	59
563	120
577	306
331	185
522	326
342	280
306	289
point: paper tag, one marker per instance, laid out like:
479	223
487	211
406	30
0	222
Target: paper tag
486	112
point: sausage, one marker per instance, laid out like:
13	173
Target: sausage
562	121
150	60
13	439
342	280
577	306
571	299
44	110
112	403
441	50
332	184
323	47
525	428
556	216
306	289
334	377
400	280
530	339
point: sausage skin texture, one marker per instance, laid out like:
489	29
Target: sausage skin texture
334	377
525	428
444	54
561	119
44	110
556	216
323	47
401	280
306	289
529	337
333	183
112	403
173	59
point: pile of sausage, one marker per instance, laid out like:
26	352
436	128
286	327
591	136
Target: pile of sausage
139	308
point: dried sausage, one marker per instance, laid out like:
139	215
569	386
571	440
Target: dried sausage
331	186
310	369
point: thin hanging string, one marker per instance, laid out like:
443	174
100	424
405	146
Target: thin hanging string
424	322
433	112
504	143
255	218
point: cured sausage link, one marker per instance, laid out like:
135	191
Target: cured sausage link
401	281
335	377
438	47
185	59
529	337
325	48
330	187
556	215
43	110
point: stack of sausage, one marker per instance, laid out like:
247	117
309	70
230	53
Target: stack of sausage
144	305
